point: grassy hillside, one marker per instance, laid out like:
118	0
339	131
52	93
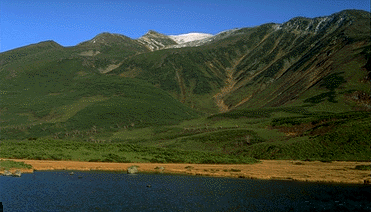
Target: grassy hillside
272	133
234	137
267	66
300	90
55	99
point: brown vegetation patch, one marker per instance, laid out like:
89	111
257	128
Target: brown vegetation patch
12	74
362	99
310	128
311	171
132	73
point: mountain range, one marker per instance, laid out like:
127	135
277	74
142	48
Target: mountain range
114	82
259	66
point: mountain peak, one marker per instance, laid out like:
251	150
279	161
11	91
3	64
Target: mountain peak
106	38
49	43
107	35
155	41
152	32
354	13
325	23
32	48
189	37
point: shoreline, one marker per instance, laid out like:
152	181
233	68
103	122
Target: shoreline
307	171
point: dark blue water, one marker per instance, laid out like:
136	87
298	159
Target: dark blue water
109	191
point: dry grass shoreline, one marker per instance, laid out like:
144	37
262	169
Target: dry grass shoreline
309	171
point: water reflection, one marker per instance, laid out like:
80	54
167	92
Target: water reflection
114	191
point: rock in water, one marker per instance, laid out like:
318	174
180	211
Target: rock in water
7	173
17	173
367	181
132	170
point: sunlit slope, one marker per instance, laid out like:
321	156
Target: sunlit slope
132	104
62	96
293	61
298	90
102	53
320	61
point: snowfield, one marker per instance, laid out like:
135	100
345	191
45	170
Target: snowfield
189	37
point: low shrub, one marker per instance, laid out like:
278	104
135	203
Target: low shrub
9	164
363	167
45	149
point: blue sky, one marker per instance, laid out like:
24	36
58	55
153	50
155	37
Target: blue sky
69	22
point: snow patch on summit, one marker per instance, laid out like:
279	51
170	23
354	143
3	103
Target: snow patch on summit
189	37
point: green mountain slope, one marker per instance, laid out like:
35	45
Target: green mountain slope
30	51
115	45
268	65
47	89
297	90
67	102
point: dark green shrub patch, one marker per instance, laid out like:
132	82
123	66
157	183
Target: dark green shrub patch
363	167
47	149
9	164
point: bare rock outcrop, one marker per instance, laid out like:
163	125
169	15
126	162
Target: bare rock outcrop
132	170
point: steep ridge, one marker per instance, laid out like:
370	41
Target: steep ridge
112	44
156	41
269	65
305	54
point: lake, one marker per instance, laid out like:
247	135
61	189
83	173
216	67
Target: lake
114	191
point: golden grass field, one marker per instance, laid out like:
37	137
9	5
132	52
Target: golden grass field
310	171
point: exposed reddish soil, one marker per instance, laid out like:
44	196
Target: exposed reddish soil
334	172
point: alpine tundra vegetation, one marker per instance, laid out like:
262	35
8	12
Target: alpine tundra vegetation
298	90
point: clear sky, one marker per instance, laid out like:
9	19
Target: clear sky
69	22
